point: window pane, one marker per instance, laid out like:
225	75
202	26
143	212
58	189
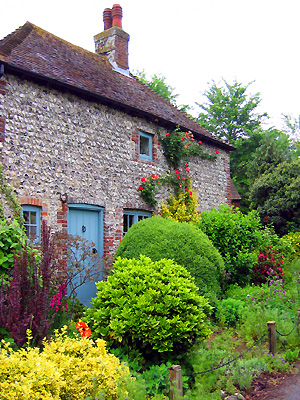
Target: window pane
125	223
33	217
130	217
144	145
32	232
26	216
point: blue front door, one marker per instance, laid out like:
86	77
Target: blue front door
87	221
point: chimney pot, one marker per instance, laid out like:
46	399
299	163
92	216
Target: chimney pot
107	18
117	15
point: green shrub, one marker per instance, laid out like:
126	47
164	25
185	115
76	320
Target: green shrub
158	238
229	311
149	306
12	237
238	237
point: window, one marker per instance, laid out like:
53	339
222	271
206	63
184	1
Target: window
32	218
132	217
145	146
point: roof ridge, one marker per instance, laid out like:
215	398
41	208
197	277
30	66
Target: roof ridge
15	38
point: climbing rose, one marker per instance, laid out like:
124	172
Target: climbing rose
143	179
167	134
141	188
217	152
187	169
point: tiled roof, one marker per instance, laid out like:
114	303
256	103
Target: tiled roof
38	53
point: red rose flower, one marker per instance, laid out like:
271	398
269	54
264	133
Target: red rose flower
200	142
141	188
187	169
143	179
167	134
176	172
217	152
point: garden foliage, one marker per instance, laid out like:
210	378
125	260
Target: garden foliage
25	302
153	307
158	238
12	237
275	196
238	237
67	368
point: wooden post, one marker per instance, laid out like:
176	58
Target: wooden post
176	382
272	337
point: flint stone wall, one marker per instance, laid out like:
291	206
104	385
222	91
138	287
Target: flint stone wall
61	148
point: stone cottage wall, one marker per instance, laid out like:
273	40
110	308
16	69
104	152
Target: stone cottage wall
58	148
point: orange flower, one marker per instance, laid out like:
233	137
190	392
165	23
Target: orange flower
83	329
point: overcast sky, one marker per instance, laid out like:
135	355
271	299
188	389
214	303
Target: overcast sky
190	42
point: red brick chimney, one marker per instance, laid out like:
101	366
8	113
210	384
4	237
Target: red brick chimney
113	41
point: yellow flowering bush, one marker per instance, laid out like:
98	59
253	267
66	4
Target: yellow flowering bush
181	208
294	240
67	368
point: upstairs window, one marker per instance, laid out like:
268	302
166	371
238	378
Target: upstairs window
32	222
132	217
145	146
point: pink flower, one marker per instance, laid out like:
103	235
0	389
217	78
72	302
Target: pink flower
190	193
217	152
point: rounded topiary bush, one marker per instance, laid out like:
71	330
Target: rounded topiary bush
152	307
182	242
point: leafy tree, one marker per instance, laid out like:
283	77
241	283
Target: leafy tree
239	165
292	126
230	111
276	197
159	85
274	148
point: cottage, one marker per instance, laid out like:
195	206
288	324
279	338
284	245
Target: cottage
78	131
